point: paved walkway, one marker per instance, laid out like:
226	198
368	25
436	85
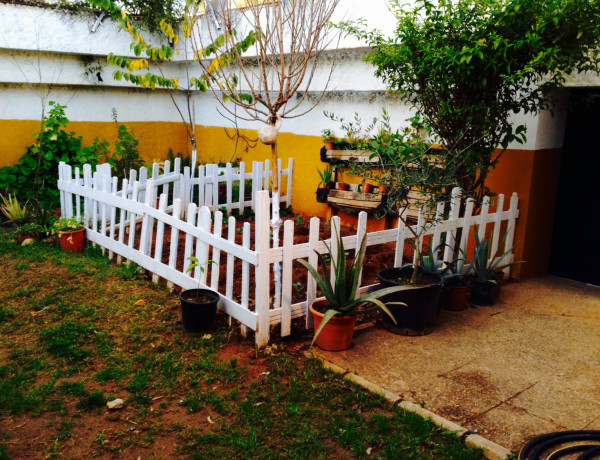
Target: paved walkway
526	366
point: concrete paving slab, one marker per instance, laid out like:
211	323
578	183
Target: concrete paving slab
511	426
525	366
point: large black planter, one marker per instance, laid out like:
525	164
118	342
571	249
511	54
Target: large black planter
419	315
483	292
198	309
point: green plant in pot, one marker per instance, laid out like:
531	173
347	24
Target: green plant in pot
335	315
426	277
485	266
198	306
329	139
327	184
71	234
29	230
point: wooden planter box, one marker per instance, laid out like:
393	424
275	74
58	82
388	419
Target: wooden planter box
353	202
340	157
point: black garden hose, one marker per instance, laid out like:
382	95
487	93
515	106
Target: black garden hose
559	444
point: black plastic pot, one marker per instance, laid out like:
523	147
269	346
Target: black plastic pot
198	309
322	194
419	315
483	292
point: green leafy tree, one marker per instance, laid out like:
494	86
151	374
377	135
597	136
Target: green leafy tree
143	70
467	65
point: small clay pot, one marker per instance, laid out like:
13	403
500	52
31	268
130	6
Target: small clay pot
366	188
342	186
382	189
329	145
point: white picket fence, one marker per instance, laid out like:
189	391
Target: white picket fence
138	231
207	185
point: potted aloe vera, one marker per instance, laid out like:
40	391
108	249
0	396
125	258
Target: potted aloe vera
327	184
485	267
335	314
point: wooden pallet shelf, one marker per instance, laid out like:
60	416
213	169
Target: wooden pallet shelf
341	157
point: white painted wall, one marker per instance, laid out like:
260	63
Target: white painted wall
41	47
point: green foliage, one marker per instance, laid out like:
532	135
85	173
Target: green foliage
14	210
467	65
68	225
126	155
326	175
485	264
341	296
91	401
36	173
68	339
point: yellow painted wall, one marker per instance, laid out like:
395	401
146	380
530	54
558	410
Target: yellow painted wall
155	137
532	174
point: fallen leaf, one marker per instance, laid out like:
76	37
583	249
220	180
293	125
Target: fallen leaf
140	302
210	420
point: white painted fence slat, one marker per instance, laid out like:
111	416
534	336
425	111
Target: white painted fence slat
160	231
189	239
245	293
286	277
311	284
261	273
201	245
216	256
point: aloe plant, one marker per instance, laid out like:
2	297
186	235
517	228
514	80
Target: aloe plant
326	175
484	264
341	295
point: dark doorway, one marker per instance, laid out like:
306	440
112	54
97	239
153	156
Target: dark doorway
575	252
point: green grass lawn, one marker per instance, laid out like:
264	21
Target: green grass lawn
77	331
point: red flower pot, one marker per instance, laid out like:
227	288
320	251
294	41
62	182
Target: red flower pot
329	145
342	186
337	333
72	241
455	297
366	188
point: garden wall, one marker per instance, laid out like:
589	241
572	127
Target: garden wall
46	54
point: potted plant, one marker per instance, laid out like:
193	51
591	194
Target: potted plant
198	306
328	139
335	314
422	302
327	182
484	266
366	187
71	234
29	230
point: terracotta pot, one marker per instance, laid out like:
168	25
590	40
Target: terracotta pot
329	145
21	237
342	186
337	333
499	282
366	188
455	297
382	189
72	241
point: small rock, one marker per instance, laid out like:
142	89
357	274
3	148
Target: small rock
115	404
27	242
